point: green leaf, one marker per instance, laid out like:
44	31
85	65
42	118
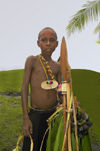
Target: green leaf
90	12
97	29
56	134
59	137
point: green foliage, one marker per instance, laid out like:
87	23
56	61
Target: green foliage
86	86
56	137
90	12
84	144
56	134
97	29
11	81
10	122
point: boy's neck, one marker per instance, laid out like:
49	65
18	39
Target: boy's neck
47	58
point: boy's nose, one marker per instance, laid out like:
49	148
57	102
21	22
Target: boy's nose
48	42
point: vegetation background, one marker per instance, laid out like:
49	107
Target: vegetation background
86	86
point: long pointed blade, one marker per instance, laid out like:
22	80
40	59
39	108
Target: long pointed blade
64	60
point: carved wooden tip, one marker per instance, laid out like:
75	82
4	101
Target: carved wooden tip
63	43
63	39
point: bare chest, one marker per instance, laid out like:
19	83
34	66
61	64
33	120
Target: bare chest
40	73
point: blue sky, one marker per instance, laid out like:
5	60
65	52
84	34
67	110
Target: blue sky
21	21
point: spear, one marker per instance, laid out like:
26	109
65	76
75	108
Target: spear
67	90
65	69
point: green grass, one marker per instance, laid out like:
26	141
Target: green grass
11	81
10	122
86	86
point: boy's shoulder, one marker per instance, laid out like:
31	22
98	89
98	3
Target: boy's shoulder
31	59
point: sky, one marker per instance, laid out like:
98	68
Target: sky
21	21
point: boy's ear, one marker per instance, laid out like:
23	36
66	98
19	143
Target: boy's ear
57	43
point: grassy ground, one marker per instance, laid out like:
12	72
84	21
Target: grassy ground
86	86
10	122
11	81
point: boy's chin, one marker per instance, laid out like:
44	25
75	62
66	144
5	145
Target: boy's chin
47	53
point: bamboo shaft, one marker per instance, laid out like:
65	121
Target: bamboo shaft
75	120
67	132
65	143
64	104
69	127
69	138
65	146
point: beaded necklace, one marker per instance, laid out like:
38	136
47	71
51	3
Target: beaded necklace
47	68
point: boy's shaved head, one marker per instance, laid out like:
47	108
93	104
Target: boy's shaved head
39	35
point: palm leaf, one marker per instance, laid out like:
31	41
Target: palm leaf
56	133
56	136
98	41
90	12
59	137
97	29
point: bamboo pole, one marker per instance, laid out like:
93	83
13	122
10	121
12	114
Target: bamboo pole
75	120
67	133
64	91
64	105
69	127
65	143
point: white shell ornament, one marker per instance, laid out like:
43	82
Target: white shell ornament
49	84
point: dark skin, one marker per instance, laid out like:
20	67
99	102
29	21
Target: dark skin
35	75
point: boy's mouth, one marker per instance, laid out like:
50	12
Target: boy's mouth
48	49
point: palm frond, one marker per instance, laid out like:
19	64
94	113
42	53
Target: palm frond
90	12
98	41
97	29
56	133
56	136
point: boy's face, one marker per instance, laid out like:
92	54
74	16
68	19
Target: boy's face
47	42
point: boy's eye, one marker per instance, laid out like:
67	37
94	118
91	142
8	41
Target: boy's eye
46	40
52	40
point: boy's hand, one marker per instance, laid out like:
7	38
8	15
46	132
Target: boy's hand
27	127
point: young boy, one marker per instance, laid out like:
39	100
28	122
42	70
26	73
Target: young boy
43	102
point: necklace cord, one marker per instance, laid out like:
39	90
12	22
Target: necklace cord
43	67
47	69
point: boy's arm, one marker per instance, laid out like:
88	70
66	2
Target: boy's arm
27	126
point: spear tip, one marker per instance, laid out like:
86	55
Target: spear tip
63	43
63	39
